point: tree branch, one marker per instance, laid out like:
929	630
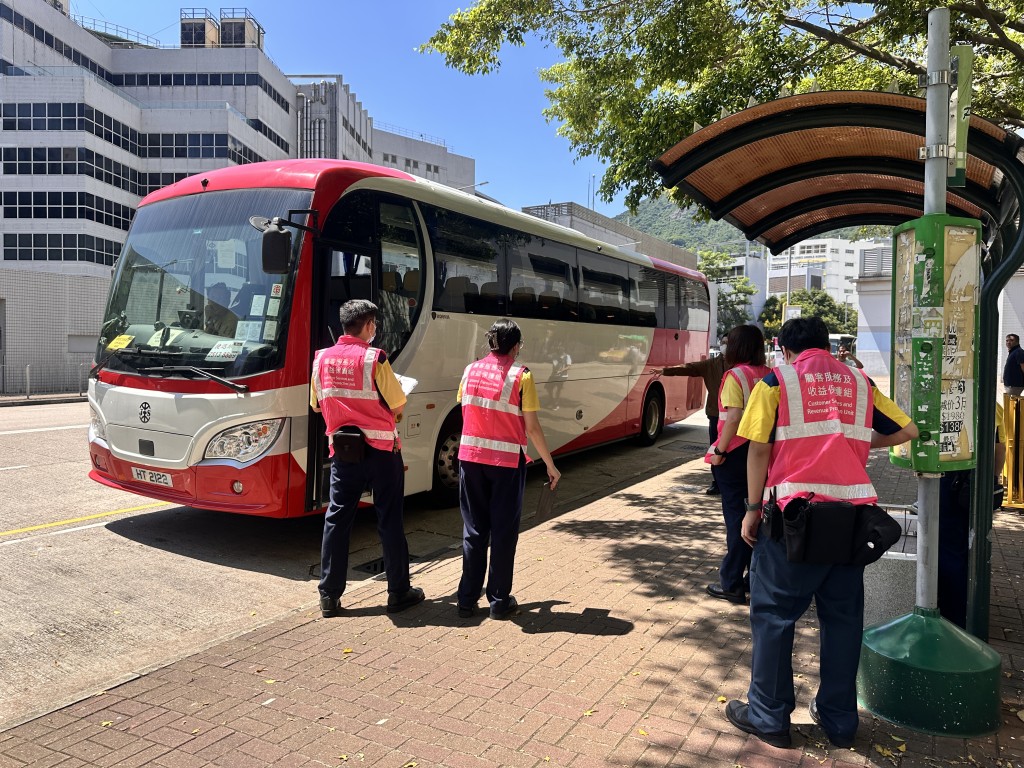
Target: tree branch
977	10
990	17
865	50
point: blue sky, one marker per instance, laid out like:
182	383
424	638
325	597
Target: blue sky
495	119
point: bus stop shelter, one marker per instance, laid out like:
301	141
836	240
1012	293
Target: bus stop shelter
790	169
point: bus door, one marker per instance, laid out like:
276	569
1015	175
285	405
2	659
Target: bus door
342	270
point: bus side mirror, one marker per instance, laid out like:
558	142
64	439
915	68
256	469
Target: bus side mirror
277	250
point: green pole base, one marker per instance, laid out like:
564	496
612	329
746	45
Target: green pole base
923	672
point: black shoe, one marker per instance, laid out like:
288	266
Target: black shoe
713	490
513	606
399	601
466	611
739	715
843	742
715	590
330	607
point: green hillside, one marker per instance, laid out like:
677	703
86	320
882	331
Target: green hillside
662	218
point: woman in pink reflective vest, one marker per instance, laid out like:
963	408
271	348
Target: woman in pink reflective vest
499	410
745	366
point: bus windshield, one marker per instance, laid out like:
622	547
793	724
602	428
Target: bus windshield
190	291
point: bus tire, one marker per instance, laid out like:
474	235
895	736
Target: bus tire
444	489
652	418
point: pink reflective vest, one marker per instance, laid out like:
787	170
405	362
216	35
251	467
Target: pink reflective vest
823	431
348	397
747	376
493	428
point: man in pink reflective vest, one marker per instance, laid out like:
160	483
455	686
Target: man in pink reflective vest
499	410
358	393
811	424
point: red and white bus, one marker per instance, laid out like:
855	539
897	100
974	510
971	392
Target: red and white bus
200	394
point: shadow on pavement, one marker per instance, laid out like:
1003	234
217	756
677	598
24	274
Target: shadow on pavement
285	548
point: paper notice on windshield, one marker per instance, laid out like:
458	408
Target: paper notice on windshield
157	339
257	305
225	254
120	342
275	290
273	307
408	383
270	330
226	350
248	330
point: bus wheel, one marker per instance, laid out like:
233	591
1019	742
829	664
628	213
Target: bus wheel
652	418
445	487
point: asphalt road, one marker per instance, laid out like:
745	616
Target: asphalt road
101	585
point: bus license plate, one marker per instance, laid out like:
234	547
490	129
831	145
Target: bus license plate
148	476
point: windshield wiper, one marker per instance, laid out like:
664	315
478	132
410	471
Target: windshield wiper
201	371
95	370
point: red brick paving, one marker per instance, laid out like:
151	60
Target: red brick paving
617	658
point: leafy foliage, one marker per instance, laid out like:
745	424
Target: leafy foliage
734	294
840	318
638	73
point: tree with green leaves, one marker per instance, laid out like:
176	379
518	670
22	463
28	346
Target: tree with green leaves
734	293
771	317
637	74
840	318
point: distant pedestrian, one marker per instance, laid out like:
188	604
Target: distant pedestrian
711	370
360	396
499	410
844	355
1013	371
811	424
745	366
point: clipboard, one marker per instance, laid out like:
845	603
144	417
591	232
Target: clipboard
546	503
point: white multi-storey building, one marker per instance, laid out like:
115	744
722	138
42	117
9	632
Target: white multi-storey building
94	117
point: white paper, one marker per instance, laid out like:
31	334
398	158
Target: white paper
225	254
258	303
408	383
273	307
270	330
275	290
248	330
225	350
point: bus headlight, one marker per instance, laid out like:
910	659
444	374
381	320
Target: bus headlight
96	426
244	442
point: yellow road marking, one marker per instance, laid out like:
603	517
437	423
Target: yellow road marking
82	519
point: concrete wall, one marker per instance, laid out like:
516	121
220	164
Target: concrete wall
42	311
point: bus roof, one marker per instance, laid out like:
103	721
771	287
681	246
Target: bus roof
333	177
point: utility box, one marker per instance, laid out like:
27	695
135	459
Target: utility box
936	269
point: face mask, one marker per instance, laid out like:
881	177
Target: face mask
721	348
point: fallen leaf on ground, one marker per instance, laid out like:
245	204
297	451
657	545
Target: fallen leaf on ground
722	699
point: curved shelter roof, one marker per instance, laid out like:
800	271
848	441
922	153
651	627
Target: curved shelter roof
790	169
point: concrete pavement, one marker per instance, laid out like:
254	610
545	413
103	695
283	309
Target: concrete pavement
616	658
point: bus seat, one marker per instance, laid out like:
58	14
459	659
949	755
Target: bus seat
491	301
550	305
391	282
453	294
411	283
523	302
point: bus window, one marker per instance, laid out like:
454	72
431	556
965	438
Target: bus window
696	307
466	248
541	278
604	289
672	300
350	235
643	297
401	255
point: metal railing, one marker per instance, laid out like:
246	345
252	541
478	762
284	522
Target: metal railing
68	377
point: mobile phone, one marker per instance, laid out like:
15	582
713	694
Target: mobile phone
546	503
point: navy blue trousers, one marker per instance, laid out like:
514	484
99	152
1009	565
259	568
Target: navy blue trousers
954	549
780	593
383	473
731	476
491	501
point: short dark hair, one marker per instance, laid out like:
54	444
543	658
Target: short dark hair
503	336
800	333
744	344
355	314
1013	336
